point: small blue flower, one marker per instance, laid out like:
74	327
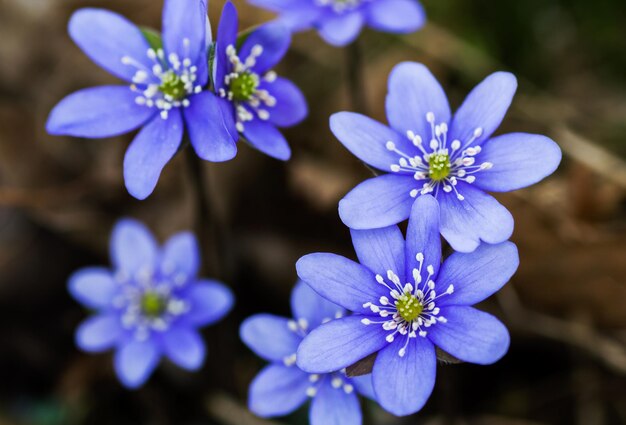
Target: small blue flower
281	387
339	22
454	158
165	91
405	302
150	305
259	100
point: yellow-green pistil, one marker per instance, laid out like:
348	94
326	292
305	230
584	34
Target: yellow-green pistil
439	166
173	86
243	86
153	304
409	307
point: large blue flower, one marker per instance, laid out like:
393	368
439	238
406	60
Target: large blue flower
259	100
405	302
428	151
281	387
150	305
339	22
165	91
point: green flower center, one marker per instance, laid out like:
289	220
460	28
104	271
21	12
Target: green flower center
153	305
409	307
243	86
173	86
439	166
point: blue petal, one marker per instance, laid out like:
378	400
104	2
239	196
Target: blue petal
396	16
341	30
133	248
135	361
274	38
300	16
278	390
380	249
148	153
413	93
184	26
226	36
422	236
99	333
208	130
181	255
93	287
266	138
340	280
364	386
367	139
470	335
291	107
308	305
106	38
478	217
278	5
269	337
333	406
209	301
339	344
98	112
477	275
518	159
484	108
404	384
378	202
184	347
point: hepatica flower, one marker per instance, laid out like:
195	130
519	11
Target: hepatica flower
163	94
282	387
339	22
427	151
150	305
405	302
259	100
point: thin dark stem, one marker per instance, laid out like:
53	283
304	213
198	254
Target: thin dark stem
206	222
355	81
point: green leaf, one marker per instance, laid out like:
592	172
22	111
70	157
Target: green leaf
153	37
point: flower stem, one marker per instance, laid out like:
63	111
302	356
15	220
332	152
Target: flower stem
207	226
355	81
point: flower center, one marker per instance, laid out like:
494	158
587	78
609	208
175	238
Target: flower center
244	86
153	305
173	86
439	166
409	307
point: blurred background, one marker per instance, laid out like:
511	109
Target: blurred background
565	308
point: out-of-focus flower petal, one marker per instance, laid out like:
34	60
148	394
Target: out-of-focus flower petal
269	337
395	16
184	347
135	361
278	390
341	30
94	287
99	333
133	248
309	305
334	406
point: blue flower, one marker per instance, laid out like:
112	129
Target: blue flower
150	305
405	302
428	151
258	100
281	387
165	91
339	22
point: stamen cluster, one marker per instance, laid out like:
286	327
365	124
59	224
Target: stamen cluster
149	303
441	166
169	82
410	308
242	87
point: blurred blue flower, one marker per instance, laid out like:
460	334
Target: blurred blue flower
339	22
282	387
164	94
405	302
428	151
259	100
150	305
